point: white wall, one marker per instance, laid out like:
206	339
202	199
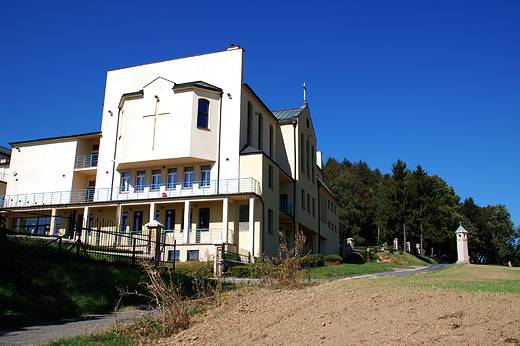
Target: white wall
221	69
42	167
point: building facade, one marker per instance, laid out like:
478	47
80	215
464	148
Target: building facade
187	143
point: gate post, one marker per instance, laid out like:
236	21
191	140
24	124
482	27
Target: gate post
157	227
219	258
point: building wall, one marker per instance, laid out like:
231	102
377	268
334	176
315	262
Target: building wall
222	69
38	168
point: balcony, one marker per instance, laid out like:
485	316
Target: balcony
129	192
286	207
86	161
3	176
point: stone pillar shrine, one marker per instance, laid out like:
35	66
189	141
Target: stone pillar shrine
462	245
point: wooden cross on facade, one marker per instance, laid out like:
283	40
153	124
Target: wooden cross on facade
155	116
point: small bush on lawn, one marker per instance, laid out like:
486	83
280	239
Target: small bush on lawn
312	261
355	258
333	260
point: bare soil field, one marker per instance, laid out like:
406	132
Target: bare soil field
384	311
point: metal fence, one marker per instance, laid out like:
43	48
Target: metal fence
196	188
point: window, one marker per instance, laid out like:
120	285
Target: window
302	158
125	182
313	207
138	221
193	255
309	203
95	152
139	183
188	177
173	255
313	164
157	215
91	221
204	219
271	141
170	219
260	131
124	222
172	178
270	221
156	179
58	225
303	199
205	175
202	117
249	122
308	161
270	177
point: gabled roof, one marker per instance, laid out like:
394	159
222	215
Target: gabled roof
289	114
5	151
250	150
90	134
198	84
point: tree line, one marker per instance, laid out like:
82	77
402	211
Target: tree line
419	208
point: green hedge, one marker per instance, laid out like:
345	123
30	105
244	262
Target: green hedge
333	259
355	258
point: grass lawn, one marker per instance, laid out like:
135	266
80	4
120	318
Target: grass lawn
395	260
468	278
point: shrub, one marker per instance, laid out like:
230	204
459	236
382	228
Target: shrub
355	258
312	261
333	260
239	272
232	256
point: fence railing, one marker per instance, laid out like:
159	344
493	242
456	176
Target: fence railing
129	192
286	207
87	161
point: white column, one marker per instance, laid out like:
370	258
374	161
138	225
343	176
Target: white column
252	225
186	234
152	212
53	221
225	208
119	218
84	223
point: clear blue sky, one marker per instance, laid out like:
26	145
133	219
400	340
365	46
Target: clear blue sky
435	83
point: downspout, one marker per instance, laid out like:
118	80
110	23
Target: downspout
294	123
219	140
115	151
319	217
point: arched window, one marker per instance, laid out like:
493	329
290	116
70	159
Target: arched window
202	116
260	130
308	161
249	122
271	141
302	157
313	164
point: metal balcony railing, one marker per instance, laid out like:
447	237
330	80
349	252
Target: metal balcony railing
286	207
87	161
130	192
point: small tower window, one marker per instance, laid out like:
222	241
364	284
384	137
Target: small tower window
202	117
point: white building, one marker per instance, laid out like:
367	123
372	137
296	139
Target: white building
188	143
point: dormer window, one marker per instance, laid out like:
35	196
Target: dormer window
202	115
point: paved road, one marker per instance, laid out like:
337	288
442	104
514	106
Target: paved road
44	333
